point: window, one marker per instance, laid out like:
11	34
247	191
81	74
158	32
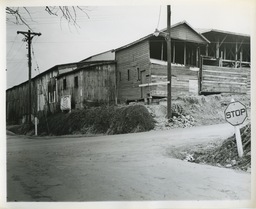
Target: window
128	75
138	73
51	97
52	91
64	83
76	81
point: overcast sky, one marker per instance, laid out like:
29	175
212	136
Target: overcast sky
110	27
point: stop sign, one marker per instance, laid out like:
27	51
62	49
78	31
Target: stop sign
235	113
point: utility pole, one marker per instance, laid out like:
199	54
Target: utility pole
28	37
169	66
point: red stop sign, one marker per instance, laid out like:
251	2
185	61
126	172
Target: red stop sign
235	113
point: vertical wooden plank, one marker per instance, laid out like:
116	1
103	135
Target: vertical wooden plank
225	52
207	49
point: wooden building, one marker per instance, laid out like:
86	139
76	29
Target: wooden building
43	92
85	82
202	63
231	49
92	82
141	65
226	66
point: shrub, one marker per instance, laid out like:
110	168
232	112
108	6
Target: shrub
104	119
134	118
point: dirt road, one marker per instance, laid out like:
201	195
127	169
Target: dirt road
116	168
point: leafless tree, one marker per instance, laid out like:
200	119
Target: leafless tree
69	13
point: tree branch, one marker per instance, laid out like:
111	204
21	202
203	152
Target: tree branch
65	12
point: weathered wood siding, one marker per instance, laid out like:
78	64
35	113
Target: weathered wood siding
184	81
95	84
216	79
17	103
184	32
135	60
17	99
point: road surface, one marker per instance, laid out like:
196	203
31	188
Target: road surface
129	167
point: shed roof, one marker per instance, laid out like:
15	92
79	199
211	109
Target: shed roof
104	56
203	31
84	65
55	67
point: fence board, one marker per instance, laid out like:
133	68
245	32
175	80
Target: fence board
224	79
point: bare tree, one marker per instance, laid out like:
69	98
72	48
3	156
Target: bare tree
69	13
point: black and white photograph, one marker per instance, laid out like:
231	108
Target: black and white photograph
129	103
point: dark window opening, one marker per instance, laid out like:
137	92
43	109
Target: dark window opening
158	49
64	83
76	81
128	74
52	90
138	73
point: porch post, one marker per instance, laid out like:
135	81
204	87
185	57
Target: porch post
236	54
206	50
197	52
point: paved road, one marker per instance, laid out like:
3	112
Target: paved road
121	167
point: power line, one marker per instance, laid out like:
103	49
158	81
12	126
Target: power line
14	55
12	45
33	53
159	16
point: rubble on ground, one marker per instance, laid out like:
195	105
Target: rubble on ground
226	154
218	153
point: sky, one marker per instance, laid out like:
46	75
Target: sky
111	26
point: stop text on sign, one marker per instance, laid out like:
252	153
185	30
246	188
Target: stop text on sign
235	113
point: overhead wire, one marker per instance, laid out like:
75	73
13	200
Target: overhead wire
159	17
14	55
42	86
12	45
33	53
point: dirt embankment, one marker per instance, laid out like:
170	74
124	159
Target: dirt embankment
218	153
95	120
208	110
195	111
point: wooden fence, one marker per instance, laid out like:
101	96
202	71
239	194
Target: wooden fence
216	79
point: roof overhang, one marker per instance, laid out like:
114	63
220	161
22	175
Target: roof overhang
163	30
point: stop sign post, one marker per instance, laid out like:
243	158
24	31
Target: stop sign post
235	114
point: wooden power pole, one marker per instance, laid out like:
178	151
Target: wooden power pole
169	66
28	37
